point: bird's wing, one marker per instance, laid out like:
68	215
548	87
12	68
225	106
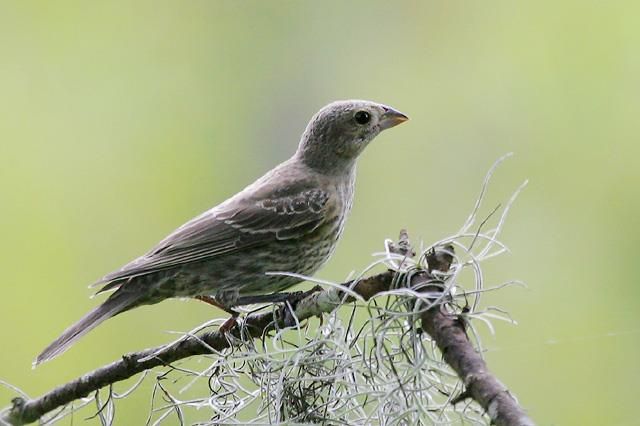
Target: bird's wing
231	227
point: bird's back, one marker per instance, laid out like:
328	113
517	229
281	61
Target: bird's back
289	220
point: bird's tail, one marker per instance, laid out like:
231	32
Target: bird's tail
118	302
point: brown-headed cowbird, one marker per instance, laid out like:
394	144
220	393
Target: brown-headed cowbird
289	220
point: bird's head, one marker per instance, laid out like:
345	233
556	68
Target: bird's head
339	132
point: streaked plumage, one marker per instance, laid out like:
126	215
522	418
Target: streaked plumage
289	220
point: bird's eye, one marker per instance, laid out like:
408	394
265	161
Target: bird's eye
362	117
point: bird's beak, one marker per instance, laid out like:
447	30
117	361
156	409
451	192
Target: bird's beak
391	118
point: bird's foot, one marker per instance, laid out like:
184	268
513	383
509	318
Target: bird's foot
211	301
290	301
288	310
268	298
229	324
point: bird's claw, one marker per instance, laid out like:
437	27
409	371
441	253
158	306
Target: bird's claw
288	316
228	325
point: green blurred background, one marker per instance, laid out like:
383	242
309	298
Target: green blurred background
121	120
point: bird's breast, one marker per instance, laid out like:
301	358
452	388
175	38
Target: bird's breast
334	224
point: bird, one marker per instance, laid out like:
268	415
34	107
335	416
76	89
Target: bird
289	220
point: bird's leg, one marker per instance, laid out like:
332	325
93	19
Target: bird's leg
267	298
235	300
288	310
212	301
230	322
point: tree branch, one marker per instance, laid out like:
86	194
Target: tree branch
448	332
446	329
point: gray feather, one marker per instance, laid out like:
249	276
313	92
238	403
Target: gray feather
288	220
115	304
272	212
